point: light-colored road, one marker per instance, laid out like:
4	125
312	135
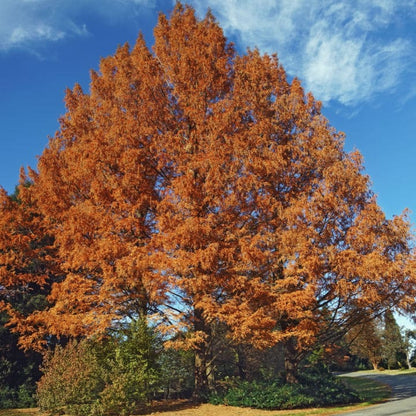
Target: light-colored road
402	402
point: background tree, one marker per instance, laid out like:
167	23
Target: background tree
366	341
409	342
393	351
27	268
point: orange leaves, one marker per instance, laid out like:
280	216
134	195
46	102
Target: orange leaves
195	59
24	245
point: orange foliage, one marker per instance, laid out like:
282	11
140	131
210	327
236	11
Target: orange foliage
22	231
27	256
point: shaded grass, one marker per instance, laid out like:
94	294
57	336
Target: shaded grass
370	391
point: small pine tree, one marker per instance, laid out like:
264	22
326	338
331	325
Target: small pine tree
132	372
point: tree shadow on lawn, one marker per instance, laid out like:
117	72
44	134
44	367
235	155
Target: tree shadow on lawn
168	406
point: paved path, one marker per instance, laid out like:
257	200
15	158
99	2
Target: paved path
403	401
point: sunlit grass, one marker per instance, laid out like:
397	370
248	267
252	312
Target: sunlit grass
412	372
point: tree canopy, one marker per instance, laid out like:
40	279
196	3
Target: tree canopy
198	186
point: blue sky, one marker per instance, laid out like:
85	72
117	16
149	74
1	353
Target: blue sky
357	56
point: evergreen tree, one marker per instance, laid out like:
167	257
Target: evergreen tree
393	349
19	371
25	273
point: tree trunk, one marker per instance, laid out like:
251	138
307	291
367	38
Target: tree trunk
203	360
241	362
201	377
291	361
374	364
408	362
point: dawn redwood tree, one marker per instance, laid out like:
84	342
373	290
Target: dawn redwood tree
267	223
203	185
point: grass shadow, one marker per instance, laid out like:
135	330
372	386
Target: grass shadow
167	406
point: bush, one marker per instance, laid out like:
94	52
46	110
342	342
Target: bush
21	397
115	376
71	378
326	389
315	388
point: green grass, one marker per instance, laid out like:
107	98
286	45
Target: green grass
411	372
370	391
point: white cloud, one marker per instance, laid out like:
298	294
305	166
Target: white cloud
21	34
345	51
24	23
30	23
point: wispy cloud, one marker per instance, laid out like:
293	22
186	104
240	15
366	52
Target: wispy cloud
31	23
27	22
344	51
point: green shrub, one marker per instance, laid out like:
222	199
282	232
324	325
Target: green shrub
7	397
26	395
71	378
22	396
326	389
315	388
91	378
